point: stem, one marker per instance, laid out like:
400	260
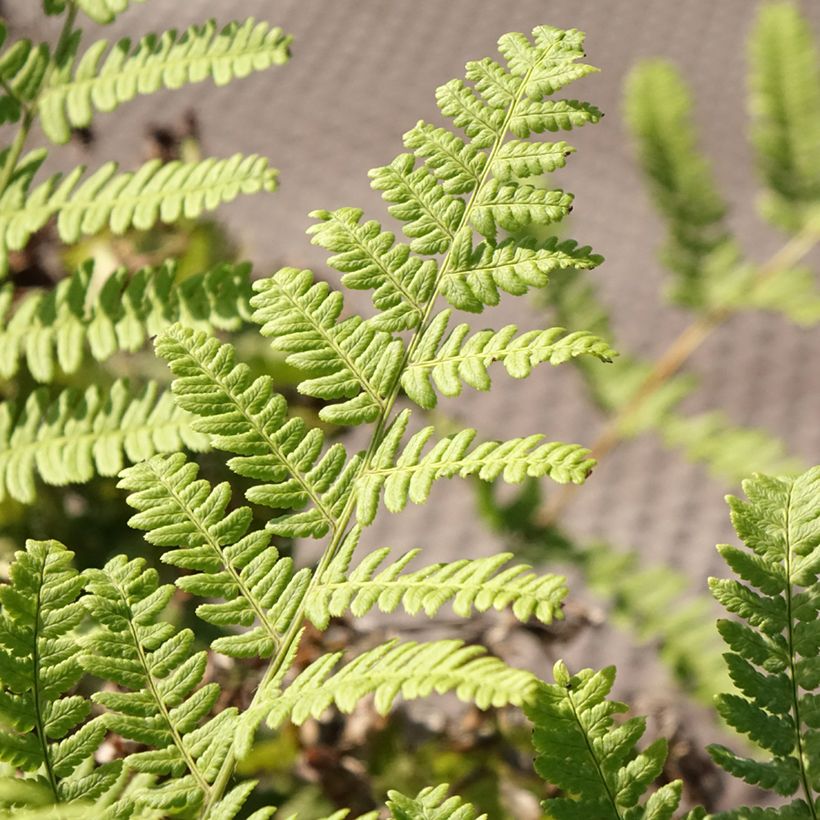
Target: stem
295	627
675	356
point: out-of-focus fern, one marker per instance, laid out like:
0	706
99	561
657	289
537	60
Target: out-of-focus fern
431	803
773	639
581	750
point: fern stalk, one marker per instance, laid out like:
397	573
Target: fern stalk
342	525
678	353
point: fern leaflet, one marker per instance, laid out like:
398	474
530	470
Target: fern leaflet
431	804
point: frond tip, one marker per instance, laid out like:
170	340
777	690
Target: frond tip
581	750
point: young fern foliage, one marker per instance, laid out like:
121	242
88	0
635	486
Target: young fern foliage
773	640
581	750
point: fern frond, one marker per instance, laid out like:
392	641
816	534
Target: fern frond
594	761
470	585
45	731
246	416
156	192
103	79
23	67
164	705
370	259
659	112
51	329
774	659
78	435
461	358
409	476
105	11
785	108
411	670
259	590
477	274
354	360
431	804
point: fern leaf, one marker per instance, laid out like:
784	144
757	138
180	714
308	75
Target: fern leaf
45	730
431	804
552	115
459	165
259	590
23	66
774	655
78	435
105	11
354	360
410	475
477	274
581	750
410	669
513	207
470	585
785	107
370	259
51	329
464	359
164	705
659	112
103	79
156	192
244	415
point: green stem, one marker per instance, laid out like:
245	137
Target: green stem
295	627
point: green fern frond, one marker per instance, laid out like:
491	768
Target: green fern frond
259	590
164	705
470	585
594	761
370	259
105	11
785	108
460	358
411	670
409	476
77	435
354	360
156	192
533	117
23	66
103	79
45	731
431	804
246	416
774	659
51	329
659	113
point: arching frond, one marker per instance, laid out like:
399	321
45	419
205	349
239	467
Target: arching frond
659	112
353	359
51	329
23	67
107	199
46	735
370	259
431	804
409	669
409	475
164	705
102	79
105	11
785	107
259	590
246	416
461	358
773	638
469	585
581	750
477	274
78	435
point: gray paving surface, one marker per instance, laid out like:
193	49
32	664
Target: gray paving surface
363	72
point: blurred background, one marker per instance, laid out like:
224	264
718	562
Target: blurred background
362	74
